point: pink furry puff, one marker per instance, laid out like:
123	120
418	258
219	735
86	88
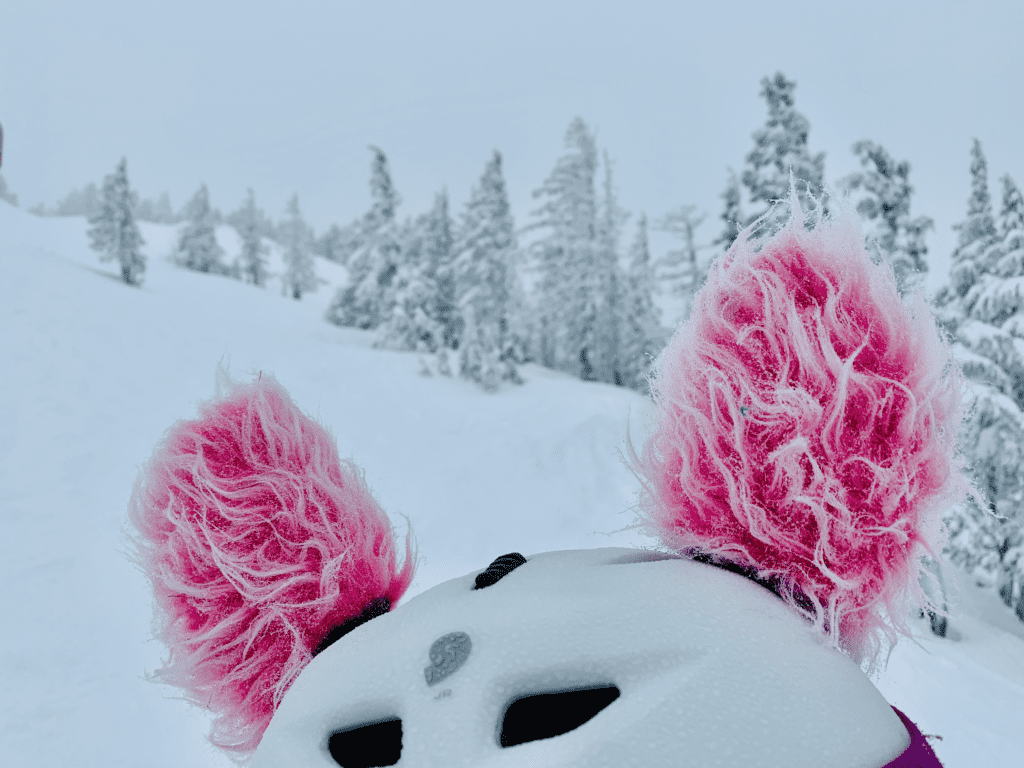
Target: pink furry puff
258	541
806	430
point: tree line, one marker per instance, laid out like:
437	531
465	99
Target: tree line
478	296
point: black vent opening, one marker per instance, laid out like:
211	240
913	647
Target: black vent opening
498	570
367	746
546	715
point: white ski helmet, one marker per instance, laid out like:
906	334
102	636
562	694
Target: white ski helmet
604	657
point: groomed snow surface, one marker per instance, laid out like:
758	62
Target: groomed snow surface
93	371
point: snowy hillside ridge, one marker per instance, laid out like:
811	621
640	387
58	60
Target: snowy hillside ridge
94	371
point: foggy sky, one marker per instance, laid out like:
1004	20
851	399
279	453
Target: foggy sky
285	97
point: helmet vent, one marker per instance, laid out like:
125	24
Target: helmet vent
546	715
367	746
500	568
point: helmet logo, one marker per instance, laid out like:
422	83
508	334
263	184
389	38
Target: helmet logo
447	654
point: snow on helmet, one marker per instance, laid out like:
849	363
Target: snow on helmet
603	657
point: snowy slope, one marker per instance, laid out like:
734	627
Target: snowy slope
93	372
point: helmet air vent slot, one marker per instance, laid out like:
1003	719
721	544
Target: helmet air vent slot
367	746
497	570
545	715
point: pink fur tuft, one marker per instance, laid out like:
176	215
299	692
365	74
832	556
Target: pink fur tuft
806	430
258	540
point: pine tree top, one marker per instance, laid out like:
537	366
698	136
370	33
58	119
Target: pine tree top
640	251
572	199
382	189
980	223
487	219
780	148
1011	215
977	233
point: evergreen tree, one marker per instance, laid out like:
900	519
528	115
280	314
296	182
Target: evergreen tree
484	269
641	333
732	214
158	211
1007	257
984	308
780	149
145	210
80	202
886	185
114	232
568	300
198	248
413	322
253	257
239	219
478	355
299	271
162	211
977	233
369	296
338	243
680	268
610	284
438	253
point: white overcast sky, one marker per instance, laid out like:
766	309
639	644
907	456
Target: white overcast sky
285	97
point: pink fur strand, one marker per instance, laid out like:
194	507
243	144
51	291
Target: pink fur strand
257	540
806	429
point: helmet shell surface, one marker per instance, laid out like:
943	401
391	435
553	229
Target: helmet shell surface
710	668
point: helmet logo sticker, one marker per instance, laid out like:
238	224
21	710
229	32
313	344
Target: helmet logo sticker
447	654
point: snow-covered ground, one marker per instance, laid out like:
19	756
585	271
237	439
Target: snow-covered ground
92	372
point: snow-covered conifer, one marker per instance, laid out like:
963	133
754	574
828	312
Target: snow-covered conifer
80	202
780	149
162	210
264	225
437	249
641	334
410	325
114	232
145	210
732	213
198	248
368	297
977	232
158	210
253	258
299	271
886	202
413	321
484	269
568	294
610	280
478	353
984	307
1005	257
681	269
339	243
